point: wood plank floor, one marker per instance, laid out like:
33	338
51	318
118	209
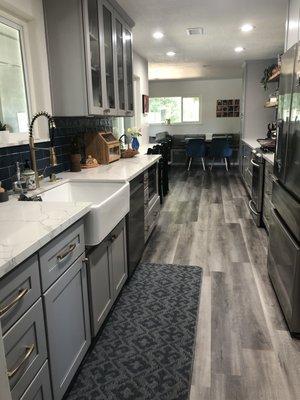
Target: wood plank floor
243	348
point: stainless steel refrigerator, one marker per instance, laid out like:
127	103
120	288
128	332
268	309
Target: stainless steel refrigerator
284	253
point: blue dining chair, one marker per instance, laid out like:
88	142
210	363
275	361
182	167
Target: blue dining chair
220	148
195	148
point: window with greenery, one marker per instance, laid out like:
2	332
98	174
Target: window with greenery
13	94
176	109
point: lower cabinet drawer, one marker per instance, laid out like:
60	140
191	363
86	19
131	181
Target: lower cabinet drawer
25	349
68	325
40	388
151	218
19	290
57	256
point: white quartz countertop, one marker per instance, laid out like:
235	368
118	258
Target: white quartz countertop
25	227
269	157
253	143
28	226
125	169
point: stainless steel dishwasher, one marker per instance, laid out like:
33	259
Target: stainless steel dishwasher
135	223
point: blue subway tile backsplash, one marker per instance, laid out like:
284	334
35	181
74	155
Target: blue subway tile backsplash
66	128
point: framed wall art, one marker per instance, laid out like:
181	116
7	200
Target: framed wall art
228	108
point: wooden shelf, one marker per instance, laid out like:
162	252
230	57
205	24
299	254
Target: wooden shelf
270	105
275	77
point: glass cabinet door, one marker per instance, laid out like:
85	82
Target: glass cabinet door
120	35
93	57
108	33
129	72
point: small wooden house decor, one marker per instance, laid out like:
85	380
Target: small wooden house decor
103	146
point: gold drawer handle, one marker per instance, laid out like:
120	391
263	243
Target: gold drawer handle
22	293
29	350
65	254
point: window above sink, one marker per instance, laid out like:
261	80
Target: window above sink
14	104
24	72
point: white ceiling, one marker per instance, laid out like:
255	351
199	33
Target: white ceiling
221	20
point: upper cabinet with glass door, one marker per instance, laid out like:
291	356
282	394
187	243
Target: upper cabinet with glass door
129	73
120	73
90	57
110	58
94	56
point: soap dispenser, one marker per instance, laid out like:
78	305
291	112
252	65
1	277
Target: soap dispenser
29	176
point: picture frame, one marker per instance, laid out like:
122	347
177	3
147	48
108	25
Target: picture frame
228	108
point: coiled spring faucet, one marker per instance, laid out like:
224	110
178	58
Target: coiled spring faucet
51	149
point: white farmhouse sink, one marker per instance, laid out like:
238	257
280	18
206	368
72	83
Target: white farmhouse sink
110	203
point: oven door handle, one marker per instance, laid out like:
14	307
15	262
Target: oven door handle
254	163
250	206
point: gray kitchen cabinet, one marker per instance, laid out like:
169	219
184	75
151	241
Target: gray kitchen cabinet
246	166
68	325
25	349
85	69
57	256
95	72
120	63
19	290
107	273
118	255
40	387
109	38
100	288
129	72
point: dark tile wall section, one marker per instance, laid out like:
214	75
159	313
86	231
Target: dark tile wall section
66	129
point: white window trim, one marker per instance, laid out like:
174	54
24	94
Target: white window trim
183	123
41	131
19	27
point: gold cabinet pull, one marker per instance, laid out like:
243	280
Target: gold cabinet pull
22	293
64	254
28	352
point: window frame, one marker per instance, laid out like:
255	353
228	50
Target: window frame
182	122
20	28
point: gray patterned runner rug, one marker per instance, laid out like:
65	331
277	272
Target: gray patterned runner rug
146	349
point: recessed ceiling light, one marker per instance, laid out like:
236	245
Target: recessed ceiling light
158	35
239	49
247	28
171	53
195	31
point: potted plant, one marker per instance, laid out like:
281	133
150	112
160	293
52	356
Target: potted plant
134	133
4	133
268	72
75	154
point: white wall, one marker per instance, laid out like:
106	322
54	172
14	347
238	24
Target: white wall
140	72
256	116
30	14
210	91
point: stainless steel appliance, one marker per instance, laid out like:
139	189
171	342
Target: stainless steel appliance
152	200
135	223
256	202
284	247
